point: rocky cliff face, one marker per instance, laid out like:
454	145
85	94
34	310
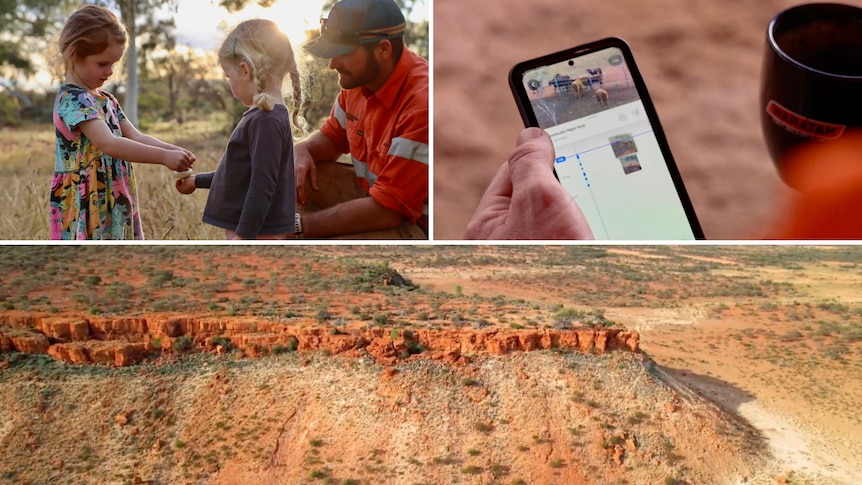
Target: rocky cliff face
126	341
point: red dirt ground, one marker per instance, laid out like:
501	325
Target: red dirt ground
701	62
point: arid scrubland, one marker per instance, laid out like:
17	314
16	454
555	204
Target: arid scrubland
745	372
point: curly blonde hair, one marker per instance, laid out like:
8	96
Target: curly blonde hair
267	50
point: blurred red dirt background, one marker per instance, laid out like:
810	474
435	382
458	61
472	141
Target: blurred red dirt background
701	62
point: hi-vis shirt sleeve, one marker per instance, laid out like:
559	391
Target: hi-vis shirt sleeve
402	184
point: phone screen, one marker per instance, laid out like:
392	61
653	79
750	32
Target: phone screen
611	156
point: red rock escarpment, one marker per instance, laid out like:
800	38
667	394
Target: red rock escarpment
126	341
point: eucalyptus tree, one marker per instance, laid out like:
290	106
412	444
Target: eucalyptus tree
26	28
142	17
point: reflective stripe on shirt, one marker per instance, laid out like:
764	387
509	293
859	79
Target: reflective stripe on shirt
362	170
409	149
340	115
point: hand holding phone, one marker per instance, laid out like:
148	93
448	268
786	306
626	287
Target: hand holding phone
525	200
612	157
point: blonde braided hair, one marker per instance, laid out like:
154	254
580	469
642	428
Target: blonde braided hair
268	52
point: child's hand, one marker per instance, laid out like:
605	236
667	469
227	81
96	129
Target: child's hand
179	160
187	152
186	185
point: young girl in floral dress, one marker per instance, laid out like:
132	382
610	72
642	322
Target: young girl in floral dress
93	191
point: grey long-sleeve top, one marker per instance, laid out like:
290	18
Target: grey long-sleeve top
253	190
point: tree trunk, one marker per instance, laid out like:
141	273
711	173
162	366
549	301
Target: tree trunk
173	91
131	103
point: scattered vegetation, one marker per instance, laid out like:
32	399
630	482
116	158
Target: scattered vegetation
793	327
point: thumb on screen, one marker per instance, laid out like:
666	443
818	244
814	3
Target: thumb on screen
533	157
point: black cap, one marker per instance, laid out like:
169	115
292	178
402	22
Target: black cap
354	22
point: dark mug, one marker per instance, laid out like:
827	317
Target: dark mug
812	77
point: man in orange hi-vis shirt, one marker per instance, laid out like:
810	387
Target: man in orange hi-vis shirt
380	118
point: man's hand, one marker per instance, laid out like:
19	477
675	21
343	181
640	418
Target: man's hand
304	169
525	200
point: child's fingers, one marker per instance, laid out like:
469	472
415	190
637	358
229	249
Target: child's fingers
185	186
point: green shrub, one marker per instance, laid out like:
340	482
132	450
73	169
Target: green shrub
381	319
414	347
637	418
92	280
224	342
10	111
292	343
322	315
160	278
498	470
318	474
444	460
316	443
183	343
792	336
482	427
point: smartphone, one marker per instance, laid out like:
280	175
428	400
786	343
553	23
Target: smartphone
611	154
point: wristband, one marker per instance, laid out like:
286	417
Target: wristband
297	226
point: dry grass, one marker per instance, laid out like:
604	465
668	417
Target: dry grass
27	162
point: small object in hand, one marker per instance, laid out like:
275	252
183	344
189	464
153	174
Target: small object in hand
183	174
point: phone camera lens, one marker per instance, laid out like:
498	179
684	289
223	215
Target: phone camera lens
571	63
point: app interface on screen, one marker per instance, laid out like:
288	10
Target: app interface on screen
608	157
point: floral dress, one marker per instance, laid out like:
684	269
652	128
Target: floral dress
93	195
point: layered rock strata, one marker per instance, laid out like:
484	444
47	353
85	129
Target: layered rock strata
126	341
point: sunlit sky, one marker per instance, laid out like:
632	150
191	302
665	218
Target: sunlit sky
202	23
